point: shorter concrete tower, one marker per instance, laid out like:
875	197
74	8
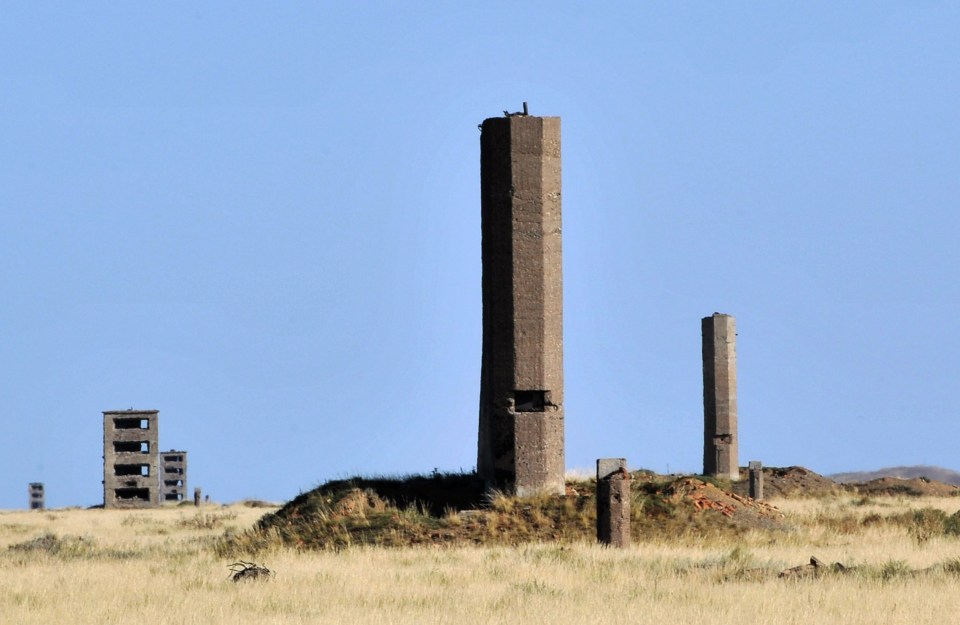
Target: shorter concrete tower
37	500
720	456
130	470
173	474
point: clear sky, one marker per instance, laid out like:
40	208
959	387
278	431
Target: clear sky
263	220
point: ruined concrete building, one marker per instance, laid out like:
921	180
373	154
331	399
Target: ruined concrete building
36	499
173	475
720	456
520	445
130	475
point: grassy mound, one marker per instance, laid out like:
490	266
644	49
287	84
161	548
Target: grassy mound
453	509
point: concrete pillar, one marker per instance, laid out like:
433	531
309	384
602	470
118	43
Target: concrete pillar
720	456
756	480
520	442
613	502
196	497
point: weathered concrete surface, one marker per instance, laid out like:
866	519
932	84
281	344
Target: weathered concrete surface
130	468
720	455
613	502
520	446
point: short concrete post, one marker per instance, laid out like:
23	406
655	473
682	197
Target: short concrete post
613	502
756	480
196	497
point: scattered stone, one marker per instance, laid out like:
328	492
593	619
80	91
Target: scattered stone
741	510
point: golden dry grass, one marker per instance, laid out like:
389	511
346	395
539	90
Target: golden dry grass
158	566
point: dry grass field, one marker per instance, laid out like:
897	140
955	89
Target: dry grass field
161	567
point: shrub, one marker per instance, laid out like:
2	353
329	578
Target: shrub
951	525
53	545
927	523
202	521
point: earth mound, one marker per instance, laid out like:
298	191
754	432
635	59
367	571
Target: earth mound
453	509
789	482
913	487
796	481
742	511
939	474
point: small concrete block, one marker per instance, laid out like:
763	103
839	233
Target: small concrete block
608	466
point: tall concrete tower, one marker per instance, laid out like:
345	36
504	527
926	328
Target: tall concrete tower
520	445
720	455
130	469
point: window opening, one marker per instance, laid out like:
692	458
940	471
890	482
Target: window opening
529	401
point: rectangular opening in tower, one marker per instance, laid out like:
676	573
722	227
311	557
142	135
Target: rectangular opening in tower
131	446
131	423
173	458
133	494
529	401
131	469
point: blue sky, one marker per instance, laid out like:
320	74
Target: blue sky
263	220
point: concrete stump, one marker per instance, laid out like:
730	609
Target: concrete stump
613	502
756	480
196	497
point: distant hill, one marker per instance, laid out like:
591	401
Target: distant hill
939	474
